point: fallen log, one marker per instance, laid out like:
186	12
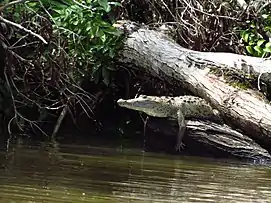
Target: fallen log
219	139
163	58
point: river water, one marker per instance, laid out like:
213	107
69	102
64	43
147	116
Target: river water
51	172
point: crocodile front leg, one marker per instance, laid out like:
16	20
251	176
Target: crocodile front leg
182	127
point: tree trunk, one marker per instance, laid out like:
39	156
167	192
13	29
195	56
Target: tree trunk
153	52
218	140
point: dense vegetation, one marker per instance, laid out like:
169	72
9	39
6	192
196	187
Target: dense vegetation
58	57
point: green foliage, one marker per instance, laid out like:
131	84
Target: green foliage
40	80
257	35
92	40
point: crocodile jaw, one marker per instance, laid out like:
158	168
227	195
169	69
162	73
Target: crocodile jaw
152	108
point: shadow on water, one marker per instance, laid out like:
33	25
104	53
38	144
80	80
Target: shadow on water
53	172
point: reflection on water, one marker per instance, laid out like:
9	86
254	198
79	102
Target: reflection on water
74	173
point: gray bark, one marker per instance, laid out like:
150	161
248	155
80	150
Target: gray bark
221	138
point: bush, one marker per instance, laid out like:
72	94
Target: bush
44	79
257	35
92	40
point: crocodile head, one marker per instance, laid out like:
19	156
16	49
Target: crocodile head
151	105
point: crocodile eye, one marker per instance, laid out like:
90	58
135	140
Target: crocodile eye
143	96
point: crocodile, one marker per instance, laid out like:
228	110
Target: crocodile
178	108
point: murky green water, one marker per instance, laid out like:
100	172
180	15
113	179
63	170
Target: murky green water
74	173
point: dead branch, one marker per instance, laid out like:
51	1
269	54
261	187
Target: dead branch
23	28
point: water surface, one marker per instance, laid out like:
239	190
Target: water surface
51	172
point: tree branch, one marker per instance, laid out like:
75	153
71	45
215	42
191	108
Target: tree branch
24	29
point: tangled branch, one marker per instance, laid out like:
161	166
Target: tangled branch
196	24
38	78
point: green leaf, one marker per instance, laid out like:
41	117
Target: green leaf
267	49
267	28
88	26
113	31
95	30
105	5
252	41
105	49
268	45
99	33
252	25
103	38
75	22
32	4
246	37
265	16
250	50
260	42
258	49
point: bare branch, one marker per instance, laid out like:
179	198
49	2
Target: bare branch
59	120
24	29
